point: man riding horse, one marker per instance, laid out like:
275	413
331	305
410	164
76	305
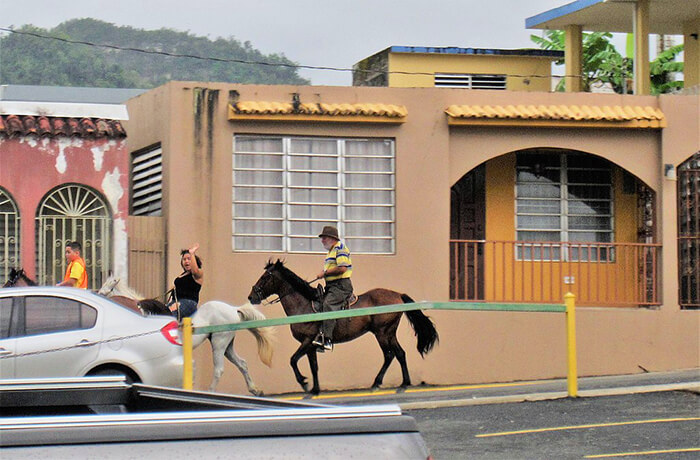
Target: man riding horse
337	271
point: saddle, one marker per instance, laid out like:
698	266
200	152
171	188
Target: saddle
317	304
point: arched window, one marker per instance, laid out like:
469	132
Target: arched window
689	232
9	234
73	212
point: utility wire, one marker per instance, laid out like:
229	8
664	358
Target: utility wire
243	61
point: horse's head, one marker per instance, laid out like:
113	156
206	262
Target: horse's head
108	287
17	277
278	279
268	284
13	277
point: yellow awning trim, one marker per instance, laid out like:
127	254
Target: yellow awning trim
260	110
557	115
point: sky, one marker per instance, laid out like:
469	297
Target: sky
333	33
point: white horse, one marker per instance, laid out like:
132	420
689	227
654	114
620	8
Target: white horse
215	312
209	314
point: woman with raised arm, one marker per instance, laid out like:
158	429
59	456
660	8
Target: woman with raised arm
188	284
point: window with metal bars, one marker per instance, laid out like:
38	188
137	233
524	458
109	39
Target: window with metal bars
286	189
9	234
147	182
689	232
564	197
470	81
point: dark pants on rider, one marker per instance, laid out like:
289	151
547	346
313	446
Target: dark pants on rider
337	294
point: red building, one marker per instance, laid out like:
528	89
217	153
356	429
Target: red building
64	175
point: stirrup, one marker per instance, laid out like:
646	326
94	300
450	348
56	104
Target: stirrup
327	345
319	340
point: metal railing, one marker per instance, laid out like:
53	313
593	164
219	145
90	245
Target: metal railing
600	274
568	307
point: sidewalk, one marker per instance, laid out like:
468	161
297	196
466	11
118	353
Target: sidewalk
426	397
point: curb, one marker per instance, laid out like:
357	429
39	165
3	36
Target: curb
688	386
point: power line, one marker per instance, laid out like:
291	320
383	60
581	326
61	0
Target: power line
244	61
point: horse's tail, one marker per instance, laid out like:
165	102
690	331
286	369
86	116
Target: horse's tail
422	326
262	335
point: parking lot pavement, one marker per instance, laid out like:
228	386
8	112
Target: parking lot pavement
664	425
429	396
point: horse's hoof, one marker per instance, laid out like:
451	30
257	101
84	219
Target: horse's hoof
305	387
315	391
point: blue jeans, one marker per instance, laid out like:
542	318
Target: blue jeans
188	307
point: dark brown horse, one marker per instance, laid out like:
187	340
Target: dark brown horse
17	277
297	295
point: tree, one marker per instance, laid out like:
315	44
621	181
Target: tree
602	63
32	60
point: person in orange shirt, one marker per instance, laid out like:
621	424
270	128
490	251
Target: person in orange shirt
76	275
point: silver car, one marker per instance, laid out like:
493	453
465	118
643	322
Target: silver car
66	332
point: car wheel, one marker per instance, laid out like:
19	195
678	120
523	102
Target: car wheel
107	371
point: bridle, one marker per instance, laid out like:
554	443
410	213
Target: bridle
261	295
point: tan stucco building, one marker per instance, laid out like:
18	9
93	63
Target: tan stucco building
455	67
444	194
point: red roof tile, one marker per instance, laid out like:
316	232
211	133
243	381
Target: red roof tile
23	125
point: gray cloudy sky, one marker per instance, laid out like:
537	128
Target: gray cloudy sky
334	33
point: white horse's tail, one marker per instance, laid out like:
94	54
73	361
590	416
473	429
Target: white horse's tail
262	335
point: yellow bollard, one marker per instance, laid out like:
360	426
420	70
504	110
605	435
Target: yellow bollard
187	353
571	377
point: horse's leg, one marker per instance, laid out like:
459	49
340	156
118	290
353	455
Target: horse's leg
242	366
219	342
313	364
293	361
387	350
401	357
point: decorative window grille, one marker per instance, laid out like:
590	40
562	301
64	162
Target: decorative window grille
73	212
147	182
564	197
285	189
470	81
689	232
9	235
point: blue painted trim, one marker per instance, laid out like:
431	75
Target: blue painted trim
476	51
534	21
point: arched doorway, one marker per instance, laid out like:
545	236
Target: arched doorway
73	212
467	224
531	225
9	234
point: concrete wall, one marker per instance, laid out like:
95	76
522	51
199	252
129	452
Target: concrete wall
190	120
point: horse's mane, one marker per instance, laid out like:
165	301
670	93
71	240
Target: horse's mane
298	284
113	286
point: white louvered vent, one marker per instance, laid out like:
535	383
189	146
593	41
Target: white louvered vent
470	81
147	182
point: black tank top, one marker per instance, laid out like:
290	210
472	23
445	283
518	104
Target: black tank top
187	288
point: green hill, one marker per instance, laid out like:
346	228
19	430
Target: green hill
31	60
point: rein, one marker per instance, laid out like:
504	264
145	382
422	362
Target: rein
258	291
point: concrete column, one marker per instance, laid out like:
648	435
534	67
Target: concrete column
642	80
573	58
691	53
